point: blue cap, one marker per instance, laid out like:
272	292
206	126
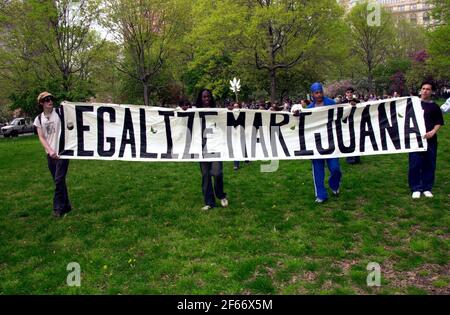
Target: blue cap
316	87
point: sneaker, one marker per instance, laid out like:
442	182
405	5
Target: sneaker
206	208
335	193
318	200
235	168
57	213
415	195
428	194
224	202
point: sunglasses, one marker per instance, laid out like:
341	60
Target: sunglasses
48	99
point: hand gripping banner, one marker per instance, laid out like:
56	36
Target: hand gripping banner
142	133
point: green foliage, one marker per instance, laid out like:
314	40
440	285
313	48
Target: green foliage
159	51
371	43
384	73
268	45
47	47
439	50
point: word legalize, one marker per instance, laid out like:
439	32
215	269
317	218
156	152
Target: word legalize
143	133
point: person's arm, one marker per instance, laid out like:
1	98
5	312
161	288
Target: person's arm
430	134
45	144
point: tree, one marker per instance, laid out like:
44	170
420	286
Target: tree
371	43
145	28
47	45
284	34
418	71
439	40
263	42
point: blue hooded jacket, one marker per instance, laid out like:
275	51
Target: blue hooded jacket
326	101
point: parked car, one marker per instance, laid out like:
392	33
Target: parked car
18	126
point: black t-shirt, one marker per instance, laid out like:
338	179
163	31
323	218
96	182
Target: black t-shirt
432	116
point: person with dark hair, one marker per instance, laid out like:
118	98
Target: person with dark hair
214	169
261	105
422	165
274	107
48	127
205	99
351	99
184	104
318	165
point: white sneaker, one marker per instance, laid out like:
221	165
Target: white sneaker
318	200
224	202
207	207
428	194
416	195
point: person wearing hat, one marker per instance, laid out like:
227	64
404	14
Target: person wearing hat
318	165
48	126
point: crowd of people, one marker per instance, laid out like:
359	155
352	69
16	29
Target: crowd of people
289	105
422	165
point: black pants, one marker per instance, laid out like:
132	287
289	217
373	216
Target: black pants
353	159
422	166
214	169
58	168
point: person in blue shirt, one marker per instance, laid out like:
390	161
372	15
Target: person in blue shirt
318	165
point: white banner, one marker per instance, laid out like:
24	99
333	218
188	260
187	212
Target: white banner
142	133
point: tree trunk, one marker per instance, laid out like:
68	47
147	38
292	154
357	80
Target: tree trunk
66	84
370	82
273	86
146	93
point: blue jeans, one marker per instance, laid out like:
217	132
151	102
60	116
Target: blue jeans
319	176
58	168
422	166
212	169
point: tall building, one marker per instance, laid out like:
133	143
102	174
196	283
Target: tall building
416	11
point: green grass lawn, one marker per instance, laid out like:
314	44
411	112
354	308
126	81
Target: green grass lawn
137	228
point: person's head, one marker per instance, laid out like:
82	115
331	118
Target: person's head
305	102
396	94
349	93
236	105
184	104
426	90
228	104
317	92
45	101
205	99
